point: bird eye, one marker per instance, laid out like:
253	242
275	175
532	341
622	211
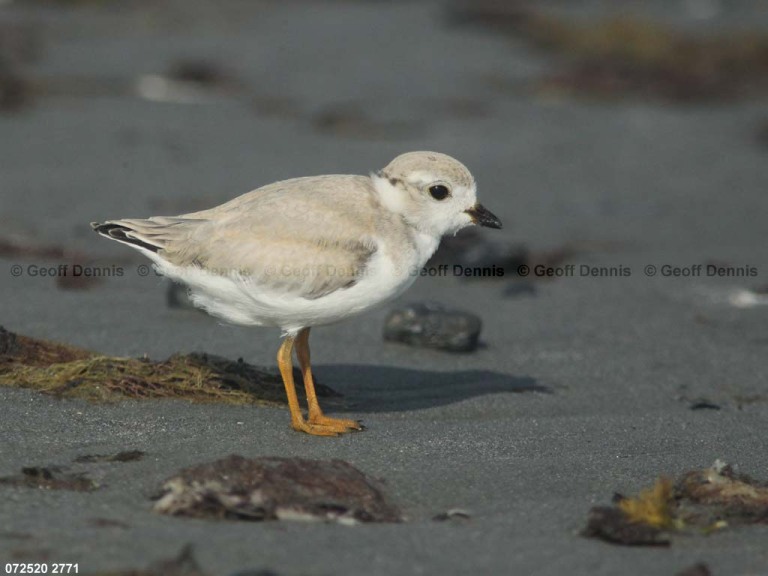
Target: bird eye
439	192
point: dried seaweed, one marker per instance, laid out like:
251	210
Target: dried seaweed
50	478
700	502
276	489
651	507
124	456
70	372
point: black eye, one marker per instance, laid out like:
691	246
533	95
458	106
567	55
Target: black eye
439	192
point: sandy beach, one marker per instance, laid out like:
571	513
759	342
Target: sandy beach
645	359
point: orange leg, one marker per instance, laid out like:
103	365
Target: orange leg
286	370
316	415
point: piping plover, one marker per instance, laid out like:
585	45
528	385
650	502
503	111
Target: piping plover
311	251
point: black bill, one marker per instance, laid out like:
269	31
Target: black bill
484	217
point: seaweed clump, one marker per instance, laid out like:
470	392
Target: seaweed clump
699	502
270	488
50	478
70	372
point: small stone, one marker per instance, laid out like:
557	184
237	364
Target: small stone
703	404
432	325
452	514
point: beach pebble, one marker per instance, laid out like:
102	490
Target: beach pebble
452	514
432	325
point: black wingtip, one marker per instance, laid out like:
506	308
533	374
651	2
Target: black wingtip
119	232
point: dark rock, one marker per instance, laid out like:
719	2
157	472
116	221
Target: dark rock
432	325
276	489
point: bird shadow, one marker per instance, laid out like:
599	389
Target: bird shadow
368	388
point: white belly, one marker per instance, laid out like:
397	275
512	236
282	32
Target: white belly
240	300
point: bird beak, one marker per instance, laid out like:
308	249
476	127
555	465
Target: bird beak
484	217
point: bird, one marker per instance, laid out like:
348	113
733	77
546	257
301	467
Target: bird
311	251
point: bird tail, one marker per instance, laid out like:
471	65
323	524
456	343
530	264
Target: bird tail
151	234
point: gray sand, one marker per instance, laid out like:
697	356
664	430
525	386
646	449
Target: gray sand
579	391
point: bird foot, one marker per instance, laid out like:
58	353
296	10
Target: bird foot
325	426
340	425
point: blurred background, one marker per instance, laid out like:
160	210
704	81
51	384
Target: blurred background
614	133
588	121
605	133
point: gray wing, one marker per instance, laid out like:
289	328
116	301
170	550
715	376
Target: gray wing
308	237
